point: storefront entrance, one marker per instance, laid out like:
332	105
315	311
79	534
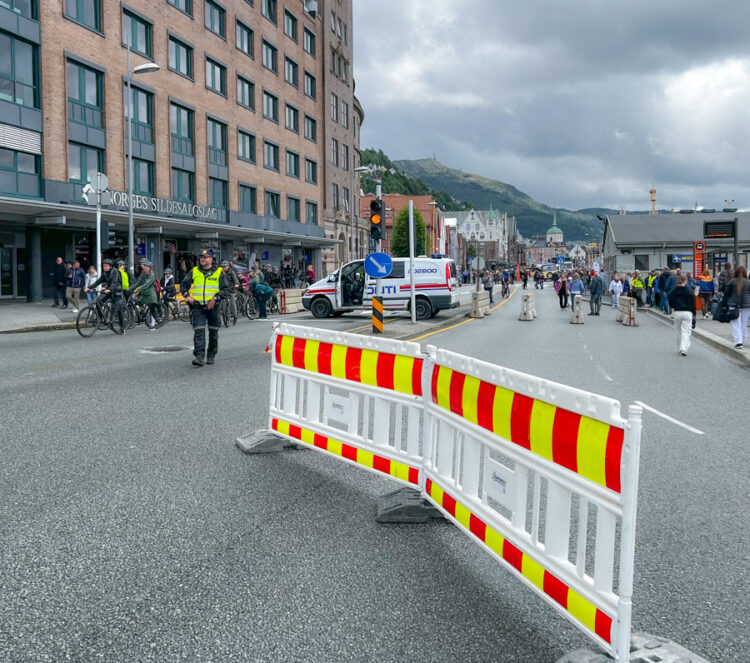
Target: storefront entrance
7	272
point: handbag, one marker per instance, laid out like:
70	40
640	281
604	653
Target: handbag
726	312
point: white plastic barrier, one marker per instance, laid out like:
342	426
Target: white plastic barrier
627	313
577	317
542	475
528	306
480	304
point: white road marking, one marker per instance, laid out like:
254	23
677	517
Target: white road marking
668	418
604	373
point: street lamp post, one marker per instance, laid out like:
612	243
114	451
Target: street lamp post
146	68
359	169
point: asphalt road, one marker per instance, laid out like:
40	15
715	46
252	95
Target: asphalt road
132	529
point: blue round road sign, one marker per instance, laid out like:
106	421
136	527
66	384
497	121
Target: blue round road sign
378	265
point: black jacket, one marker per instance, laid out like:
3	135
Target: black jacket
682	299
738	299
596	287
111	280
60	274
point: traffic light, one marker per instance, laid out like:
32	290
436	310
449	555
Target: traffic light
376	219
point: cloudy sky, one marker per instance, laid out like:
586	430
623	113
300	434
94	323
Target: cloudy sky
579	103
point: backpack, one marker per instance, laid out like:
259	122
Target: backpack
157	286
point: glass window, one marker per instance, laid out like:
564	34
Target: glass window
346	199
311	129
345	157
269	10
248	199
245	39
270	106
84	95
270	57
181	127
180	57
217	193
345	114
83	163
85	12
292	164
292	119
246	146
270	156
12	164
245	93
290	25
309	42
333	22
217	142
273	204
311	171
25	8
183	185
311	215
136	33
292	208
19	79
215	18
183	5
335	196
334	107
334	152
291	72
216	77
142	118
310	85
143	177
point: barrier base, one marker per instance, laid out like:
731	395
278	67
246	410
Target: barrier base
263	441
407	506
644	648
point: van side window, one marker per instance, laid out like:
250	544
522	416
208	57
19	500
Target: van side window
398	271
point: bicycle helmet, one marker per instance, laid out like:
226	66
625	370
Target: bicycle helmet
121	262
106	261
146	263
168	270
225	263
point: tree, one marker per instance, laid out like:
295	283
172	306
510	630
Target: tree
400	234
471	251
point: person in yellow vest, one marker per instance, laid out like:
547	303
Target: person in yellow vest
125	278
650	294
637	287
204	287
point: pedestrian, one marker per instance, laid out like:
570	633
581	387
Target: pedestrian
737	295
88	286
706	292
525	278
76	280
682	300
615	288
145	290
59	279
651	291
310	274
204	287
110	281
575	288
725	277
489	284
596	288
561	286
669	287
261	292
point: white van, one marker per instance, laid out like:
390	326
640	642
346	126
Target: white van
350	288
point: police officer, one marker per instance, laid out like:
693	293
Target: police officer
204	286
111	282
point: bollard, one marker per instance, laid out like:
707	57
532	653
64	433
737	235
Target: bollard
480	304
628	313
528	306
577	318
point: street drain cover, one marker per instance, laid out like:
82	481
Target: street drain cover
166	348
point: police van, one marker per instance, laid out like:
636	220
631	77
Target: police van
350	288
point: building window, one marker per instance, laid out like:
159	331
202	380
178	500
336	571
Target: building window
248	199
311	171
136	33
19	79
246	146
641	262
291	74
271	156
245	39
345	157
346	199
183	185
143	177
334	107
270	57
292	119
217	143
290	25
334	152
25	8
217	193
185	6
269	10
15	169
142	118
344	115
216	77
310	85
180	57
335	196
333	22
309	42
273	204
181	127
245	93
311	215
84	95
270	106
292	208
292	164
85	12
215	18
83	163
311	129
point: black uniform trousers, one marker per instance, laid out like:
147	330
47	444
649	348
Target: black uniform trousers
200	316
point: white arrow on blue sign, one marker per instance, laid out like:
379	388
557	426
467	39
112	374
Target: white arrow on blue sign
378	265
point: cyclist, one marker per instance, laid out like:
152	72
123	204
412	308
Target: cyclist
168	290
234	284
125	278
111	282
145	289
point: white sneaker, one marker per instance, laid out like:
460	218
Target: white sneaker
75	310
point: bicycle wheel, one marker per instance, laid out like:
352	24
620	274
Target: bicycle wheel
183	311
251	310
224	313
87	322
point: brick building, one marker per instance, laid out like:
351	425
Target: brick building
229	136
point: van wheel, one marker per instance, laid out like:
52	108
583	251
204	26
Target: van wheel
423	309
321	307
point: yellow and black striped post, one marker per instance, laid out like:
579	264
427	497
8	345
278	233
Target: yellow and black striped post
377	315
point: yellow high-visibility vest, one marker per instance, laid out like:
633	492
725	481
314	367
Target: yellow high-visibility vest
651	280
636	283
125	279
204	288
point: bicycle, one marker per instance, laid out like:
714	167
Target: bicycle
179	310
506	289
100	315
138	313
247	305
228	317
